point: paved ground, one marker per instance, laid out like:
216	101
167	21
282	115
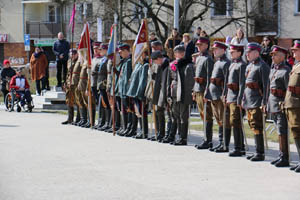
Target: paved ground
43	160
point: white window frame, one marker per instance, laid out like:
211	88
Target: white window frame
297	12
228	12
48	16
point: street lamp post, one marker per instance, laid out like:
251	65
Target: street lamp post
176	14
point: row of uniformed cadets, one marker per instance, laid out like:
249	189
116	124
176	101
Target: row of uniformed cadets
223	89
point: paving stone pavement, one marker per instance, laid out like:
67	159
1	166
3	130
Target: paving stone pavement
43	160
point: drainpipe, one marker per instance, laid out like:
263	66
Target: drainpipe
279	19
24	28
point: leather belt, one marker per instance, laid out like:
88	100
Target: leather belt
233	86
294	89
278	92
200	80
216	81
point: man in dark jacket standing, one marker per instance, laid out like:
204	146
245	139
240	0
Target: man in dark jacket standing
6	74
61	50
180	85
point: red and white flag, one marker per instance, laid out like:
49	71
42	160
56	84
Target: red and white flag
84	47
140	44
72	19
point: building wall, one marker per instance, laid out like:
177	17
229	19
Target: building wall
12	20
289	21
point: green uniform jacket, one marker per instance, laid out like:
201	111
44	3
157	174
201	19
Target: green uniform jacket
125	70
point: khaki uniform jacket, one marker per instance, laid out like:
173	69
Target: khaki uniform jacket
76	73
82	85
292	100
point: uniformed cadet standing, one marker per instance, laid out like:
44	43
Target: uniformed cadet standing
101	87
278	84
136	92
234	92
160	91
94	75
124	71
215	94
75	82
181	83
80	94
255	96
204	64
70	87
292	101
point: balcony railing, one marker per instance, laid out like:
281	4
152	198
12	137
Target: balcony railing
43	29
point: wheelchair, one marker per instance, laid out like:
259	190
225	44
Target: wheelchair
14	99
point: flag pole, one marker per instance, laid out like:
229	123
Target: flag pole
113	74
72	39
90	106
150	66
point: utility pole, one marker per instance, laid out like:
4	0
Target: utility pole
176	14
247	24
120	20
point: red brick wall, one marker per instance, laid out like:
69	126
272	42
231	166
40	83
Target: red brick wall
16	53
285	42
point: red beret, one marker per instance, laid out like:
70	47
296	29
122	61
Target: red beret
202	40
6	62
220	45
276	48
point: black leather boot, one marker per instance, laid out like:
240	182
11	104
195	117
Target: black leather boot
220	139
297	142
260	149
77	116
101	118
208	142
129	124
225	148
83	115
139	134
171	136
124	125
284	158
133	129
237	143
107	120
70	116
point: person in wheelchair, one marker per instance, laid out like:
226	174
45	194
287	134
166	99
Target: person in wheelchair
6	74
20	84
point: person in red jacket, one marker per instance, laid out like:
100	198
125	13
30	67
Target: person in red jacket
20	84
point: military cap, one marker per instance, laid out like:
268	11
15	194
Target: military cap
220	45
236	47
156	54
276	48
253	46
156	43
96	45
73	51
104	46
179	48
202	40
296	45
124	46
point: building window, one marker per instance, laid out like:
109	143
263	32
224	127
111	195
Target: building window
51	13
222	7
297	7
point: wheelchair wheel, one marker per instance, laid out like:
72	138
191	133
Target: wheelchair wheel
9	102
19	109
